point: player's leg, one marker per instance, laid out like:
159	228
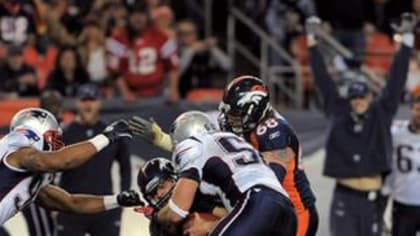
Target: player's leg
343	221
3	232
253	215
313	222
405	221
38	220
72	224
106	223
371	217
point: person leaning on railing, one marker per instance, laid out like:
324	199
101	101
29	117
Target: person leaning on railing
359	147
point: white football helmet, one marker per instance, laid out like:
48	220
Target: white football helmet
43	123
191	123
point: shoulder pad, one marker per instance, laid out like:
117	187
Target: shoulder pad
22	138
273	134
186	154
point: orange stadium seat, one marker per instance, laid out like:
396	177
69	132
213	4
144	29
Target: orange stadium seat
10	107
43	64
205	95
379	52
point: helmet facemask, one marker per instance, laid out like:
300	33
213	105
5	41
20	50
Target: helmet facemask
52	140
152	188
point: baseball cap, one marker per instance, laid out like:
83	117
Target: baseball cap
88	91
358	89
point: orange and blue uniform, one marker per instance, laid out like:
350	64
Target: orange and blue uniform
274	133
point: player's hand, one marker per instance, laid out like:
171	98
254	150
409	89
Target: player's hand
147	211
313	25
198	227
129	198
146	129
408	22
116	130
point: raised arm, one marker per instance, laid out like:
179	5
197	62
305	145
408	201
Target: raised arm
55	198
397	75
333	103
68	157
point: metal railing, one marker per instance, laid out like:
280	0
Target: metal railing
275	75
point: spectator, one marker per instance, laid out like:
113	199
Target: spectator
202	63
163	18
39	220
68	73
92	51
140	56
16	25
93	177
18	78
347	24
358	151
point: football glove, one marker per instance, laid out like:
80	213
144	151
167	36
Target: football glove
407	23
116	130
150	131
129	198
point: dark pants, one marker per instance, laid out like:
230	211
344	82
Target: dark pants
261	212
3	232
405	219
101	224
355	213
39	221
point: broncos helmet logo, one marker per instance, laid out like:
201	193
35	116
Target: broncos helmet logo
254	97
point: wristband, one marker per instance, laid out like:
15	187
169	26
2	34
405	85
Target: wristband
110	202
165	142
311	41
177	210
100	141
408	39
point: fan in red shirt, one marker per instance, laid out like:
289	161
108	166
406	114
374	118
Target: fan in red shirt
140	55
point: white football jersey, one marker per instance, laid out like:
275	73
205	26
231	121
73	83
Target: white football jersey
404	181
223	163
18	187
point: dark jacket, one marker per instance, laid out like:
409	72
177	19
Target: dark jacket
353	152
94	177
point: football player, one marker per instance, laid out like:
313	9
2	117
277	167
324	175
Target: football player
405	176
140	55
247	112
247	187
31	152
156	180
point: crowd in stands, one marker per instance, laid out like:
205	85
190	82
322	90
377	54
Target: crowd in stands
155	48
129	48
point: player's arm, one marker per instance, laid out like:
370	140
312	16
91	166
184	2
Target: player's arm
180	203
55	198
333	104
397	75
150	131
70	156
279	160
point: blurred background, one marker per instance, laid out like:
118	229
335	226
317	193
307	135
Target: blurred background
193	49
